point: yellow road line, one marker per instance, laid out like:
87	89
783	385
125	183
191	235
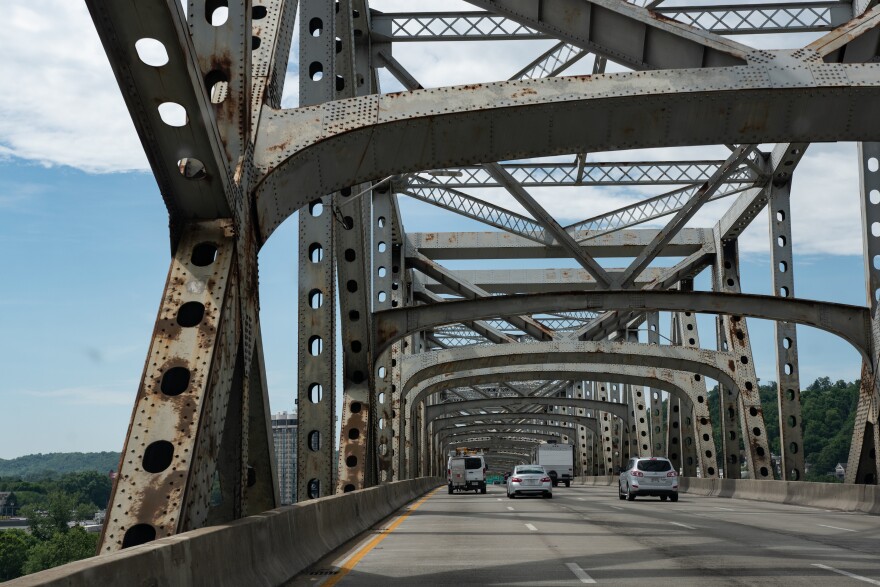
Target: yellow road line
365	550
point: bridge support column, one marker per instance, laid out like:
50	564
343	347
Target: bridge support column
316	357
864	453
673	431
736	338
791	437
698	442
655	417
193	422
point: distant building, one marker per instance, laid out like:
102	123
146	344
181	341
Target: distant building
840	471
284	426
8	503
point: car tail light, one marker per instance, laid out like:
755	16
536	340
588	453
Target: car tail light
545	480
672	474
638	474
515	480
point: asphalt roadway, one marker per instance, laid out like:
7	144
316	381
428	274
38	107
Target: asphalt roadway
585	535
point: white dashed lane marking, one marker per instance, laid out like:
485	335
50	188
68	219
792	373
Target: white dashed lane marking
580	573
851	575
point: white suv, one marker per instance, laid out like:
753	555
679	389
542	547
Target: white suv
648	476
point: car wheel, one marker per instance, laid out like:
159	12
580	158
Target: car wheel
511	495
483	490
548	495
568	483
674	497
630	496
662	498
450	490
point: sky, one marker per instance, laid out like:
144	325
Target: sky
85	247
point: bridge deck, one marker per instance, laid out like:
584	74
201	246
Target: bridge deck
585	535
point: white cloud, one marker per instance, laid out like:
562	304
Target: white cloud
63	106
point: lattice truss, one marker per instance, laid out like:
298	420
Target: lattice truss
543	324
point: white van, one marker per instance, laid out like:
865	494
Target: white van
464	473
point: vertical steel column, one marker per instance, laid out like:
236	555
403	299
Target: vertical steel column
864	452
737	337
353	265
595	456
702	450
606	424
657	435
791	437
729	416
639	428
582	454
316	351
386	278
687	449
673	431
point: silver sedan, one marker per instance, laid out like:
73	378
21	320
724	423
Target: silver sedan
529	480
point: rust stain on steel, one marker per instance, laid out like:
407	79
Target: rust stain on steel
662	17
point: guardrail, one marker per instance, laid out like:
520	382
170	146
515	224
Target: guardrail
265	549
837	496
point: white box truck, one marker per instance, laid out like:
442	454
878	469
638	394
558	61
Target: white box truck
557	460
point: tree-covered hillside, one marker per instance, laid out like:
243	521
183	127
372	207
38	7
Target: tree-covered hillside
52	464
827	416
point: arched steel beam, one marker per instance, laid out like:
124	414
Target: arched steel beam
852	323
496	443
717	365
677	383
437	410
506	429
377	136
585	421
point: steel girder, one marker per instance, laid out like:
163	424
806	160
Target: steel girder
849	322
588	114
494	245
723	20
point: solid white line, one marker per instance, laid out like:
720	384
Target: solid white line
683	525
579	573
615	507
510	508
854	576
532	528
582	499
835	528
499	499
725	509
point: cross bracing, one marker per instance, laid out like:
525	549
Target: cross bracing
557	315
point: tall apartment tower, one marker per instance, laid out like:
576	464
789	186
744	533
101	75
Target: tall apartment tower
284	433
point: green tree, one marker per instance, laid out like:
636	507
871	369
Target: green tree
60	549
44	523
88	486
14	547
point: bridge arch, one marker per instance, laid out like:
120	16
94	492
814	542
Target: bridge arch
852	323
375	136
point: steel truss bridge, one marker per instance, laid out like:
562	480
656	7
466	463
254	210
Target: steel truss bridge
434	357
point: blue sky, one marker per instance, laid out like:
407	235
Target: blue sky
85	248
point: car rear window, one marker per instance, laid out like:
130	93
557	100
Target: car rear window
530	471
472	463
654	466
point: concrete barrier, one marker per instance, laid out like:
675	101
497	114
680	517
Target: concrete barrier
835	496
266	549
